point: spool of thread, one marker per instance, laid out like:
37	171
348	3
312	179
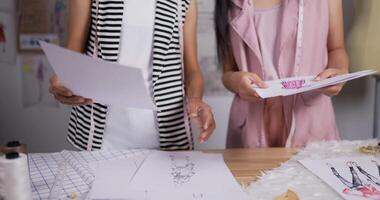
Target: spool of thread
14	146
14	177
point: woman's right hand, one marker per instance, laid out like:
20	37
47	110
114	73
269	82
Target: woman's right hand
244	83
64	95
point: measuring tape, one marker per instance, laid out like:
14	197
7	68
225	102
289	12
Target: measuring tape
181	44
297	63
299	45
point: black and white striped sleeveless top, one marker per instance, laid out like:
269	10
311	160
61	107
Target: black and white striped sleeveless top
168	83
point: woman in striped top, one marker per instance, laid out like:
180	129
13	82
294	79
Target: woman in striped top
157	36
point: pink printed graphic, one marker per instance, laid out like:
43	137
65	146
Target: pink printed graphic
295	84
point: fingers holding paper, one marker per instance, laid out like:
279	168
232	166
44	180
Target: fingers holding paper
64	95
245	86
329	73
202	114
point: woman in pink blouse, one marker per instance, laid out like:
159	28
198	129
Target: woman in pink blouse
262	40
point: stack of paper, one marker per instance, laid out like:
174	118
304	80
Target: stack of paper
167	176
296	85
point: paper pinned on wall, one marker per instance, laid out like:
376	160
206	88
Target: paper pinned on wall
103	82
34	24
59	14
353	178
7	38
296	85
35	75
30	42
44	20
34	16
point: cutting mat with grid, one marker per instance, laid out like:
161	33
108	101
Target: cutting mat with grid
78	176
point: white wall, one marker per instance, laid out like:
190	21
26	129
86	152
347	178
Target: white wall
355	109
44	129
7	5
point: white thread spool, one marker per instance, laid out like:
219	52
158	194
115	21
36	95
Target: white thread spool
14	177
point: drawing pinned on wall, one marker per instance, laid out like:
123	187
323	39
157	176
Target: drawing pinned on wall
30	42
44	20
59	20
7	38
36	72
352	178
3	39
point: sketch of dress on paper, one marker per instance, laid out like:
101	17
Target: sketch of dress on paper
59	13
182	170
367	189
3	39
186	175
7	38
198	196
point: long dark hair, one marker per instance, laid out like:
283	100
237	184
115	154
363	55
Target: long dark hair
222	31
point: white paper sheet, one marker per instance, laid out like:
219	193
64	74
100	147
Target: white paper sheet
173	195
112	178
186	175
296	85
104	82
338	175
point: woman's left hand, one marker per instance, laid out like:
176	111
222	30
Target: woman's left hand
329	73
202	114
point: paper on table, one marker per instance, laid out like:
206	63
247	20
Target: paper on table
104	82
174	195
112	178
353	178
296	85
186	175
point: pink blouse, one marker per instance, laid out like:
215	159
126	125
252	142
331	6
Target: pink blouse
307	116
268	25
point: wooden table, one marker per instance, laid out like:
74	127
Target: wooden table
247	164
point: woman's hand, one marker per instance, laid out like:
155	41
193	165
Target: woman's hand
79	23
338	61
328	73
202	114
243	84
64	95
199	111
